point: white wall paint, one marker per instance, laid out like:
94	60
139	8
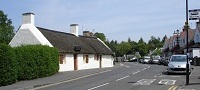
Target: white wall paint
107	61
68	64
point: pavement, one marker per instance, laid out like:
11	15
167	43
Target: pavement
194	80
58	78
68	76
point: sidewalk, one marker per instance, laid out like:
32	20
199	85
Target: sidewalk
59	77
194	80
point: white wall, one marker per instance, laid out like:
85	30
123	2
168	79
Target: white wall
28	34
196	52
107	61
68	63
90	65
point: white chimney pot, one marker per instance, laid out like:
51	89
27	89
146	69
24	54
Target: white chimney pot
28	18
74	29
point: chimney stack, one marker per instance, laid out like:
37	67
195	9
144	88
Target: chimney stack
28	18
87	33
74	29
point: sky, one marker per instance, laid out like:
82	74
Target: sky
117	19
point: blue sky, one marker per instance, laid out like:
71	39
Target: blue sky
117	19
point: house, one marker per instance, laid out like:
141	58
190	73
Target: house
181	46
196	47
76	52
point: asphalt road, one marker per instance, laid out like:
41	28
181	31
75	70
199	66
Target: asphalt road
131	76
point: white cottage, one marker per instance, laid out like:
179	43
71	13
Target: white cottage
76	52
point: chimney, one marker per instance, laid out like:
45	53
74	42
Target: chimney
74	29
87	33
28	18
185	27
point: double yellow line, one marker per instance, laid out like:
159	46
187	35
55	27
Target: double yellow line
173	88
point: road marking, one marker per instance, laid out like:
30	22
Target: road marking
70	80
144	82
146	68
98	86
122	78
136	72
124	65
167	82
158	75
173	87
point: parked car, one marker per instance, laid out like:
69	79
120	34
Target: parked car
163	61
133	59
177	64
140	60
146	59
155	59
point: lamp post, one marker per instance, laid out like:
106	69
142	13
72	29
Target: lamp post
187	65
176	33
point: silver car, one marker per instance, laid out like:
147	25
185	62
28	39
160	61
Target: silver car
177	64
146	59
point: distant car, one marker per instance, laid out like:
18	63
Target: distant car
163	61
140	60
177	64
133	59
155	60
125	60
146	59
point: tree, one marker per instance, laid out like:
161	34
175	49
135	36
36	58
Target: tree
6	29
100	36
123	47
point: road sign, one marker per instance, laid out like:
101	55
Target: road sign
194	14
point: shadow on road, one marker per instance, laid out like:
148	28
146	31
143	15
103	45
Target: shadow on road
194	83
166	73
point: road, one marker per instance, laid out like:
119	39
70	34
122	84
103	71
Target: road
130	76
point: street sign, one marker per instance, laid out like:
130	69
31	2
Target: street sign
194	14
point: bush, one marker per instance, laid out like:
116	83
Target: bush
36	61
8	65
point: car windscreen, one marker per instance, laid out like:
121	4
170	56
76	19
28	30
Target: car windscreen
178	59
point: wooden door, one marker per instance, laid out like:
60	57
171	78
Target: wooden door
75	62
100	62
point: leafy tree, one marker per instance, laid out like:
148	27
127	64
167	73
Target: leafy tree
141	40
123	47
6	29
100	36
153	43
142	48
165	37
129	39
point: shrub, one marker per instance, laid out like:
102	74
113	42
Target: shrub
8	65
36	61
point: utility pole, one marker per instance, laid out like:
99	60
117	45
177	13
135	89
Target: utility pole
187	65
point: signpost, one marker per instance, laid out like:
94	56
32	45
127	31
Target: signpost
194	14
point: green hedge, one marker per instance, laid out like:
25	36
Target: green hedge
36	61
27	62
8	65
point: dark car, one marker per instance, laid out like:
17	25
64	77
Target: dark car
163	61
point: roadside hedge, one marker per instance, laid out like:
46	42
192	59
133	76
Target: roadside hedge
36	61
27	62
8	65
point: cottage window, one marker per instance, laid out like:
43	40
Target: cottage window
86	58
96	57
